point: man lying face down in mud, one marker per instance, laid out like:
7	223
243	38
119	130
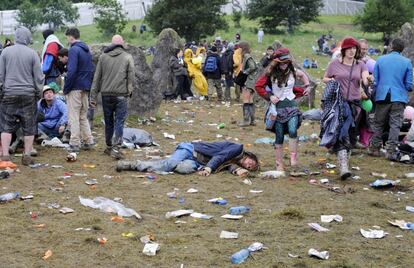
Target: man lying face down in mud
205	157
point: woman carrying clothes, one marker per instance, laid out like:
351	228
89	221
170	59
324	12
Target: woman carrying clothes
280	78
194	72
349	72
248	68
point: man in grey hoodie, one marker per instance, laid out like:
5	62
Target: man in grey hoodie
21	82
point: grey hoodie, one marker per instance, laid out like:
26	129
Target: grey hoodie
20	70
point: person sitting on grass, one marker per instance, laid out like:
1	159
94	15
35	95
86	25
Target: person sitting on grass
205	157
54	113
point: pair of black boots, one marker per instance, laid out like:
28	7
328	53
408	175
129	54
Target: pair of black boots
248	115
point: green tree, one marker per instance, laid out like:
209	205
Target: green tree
10	4
57	13
385	16
14	4
28	15
110	17
192	20
236	18
291	13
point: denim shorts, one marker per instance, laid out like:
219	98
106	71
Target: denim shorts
16	111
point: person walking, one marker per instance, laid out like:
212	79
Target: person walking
280	77
350	73
212	71
77	86
393	75
114	78
249	69
21	80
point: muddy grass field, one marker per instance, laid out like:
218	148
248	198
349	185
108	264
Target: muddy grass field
278	217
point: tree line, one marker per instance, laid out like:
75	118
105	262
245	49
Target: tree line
195	20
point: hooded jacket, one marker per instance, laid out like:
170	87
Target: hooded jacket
219	155
55	115
115	73
177	68
80	68
20	70
194	71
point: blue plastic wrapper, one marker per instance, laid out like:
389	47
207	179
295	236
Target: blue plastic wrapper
379	183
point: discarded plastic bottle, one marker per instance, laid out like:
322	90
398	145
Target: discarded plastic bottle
239	210
221	126
221	202
9	196
240	256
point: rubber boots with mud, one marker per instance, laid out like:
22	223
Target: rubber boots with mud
279	158
293	149
252	110
343	158
246	116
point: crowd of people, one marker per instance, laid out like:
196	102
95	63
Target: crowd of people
363	104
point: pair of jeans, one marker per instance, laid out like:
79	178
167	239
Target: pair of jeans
78	103
115	110
291	127
50	132
182	156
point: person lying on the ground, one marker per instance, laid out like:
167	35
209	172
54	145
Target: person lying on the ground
205	157
54	114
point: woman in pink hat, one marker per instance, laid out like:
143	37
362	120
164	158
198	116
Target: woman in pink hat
280	78
350	72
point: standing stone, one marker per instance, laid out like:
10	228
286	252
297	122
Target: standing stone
165	83
146	98
407	34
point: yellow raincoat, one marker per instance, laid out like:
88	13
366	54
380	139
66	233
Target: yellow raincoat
237	61
194	71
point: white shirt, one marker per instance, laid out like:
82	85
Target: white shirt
286	91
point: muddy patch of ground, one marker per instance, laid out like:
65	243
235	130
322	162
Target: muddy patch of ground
278	216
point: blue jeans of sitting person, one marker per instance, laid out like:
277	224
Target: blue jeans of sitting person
115	110
50	132
181	161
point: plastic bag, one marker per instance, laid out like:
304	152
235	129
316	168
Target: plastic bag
107	205
137	136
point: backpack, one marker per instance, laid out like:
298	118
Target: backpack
211	64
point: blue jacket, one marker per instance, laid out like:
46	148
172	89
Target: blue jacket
218	153
393	73
80	68
56	115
